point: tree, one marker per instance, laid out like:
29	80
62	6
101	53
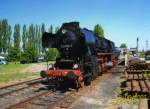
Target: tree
5	29
36	39
31	35
123	45
0	36
39	40
24	37
29	55
42	31
9	37
50	30
56	29
52	54
17	36
43	28
13	54
99	30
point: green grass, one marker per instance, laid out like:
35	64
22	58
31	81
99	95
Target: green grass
13	72
146	75
120	100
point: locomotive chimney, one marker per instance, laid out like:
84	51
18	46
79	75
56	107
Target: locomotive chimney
137	46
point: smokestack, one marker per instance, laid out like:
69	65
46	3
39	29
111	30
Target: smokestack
146	44
137	46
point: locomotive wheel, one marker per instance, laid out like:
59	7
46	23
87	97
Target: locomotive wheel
88	80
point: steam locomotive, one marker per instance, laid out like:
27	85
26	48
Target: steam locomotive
83	55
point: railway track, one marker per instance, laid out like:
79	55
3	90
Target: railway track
18	86
61	98
67	101
46	100
19	83
137	81
34	95
137	71
139	86
14	93
31	94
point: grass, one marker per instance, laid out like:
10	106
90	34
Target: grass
146	75
128	100
13	72
121	101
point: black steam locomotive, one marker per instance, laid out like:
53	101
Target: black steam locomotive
83	54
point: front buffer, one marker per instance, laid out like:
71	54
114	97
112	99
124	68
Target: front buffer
68	75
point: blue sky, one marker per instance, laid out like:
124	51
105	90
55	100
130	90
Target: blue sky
122	20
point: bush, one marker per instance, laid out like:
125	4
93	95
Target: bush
52	54
142	55
13	54
29	55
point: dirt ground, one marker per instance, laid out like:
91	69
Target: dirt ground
34	68
103	95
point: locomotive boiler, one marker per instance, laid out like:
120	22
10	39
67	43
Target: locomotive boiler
83	55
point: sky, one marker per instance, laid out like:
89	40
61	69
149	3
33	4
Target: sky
122	20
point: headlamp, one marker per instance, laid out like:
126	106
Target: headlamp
50	66
75	66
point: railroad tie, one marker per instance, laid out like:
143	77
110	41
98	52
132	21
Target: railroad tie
135	86
143	86
147	83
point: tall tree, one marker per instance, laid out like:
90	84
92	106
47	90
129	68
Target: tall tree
39	40
9	37
17	36
56	29
43	28
36	38
36	34
33	38
31	35
24	37
0	36
42	31
50	30
5	28
99	30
